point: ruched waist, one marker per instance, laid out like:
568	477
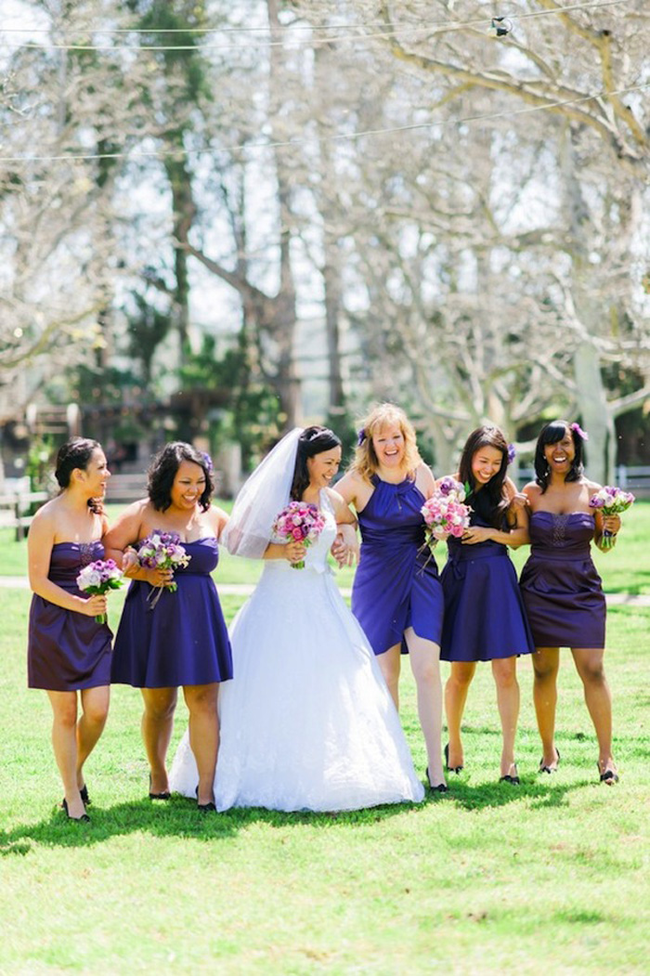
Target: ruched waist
460	554
560	555
67	581
378	539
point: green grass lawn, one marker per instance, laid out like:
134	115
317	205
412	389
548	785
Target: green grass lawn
549	877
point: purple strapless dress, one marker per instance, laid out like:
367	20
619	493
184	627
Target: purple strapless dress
183	640
396	584
66	650
561	589
484	612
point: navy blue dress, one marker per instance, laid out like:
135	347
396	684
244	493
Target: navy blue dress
183	640
396	584
484	612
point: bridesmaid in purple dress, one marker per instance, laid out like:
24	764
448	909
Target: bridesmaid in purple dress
183	639
484	613
69	654
396	596
561	589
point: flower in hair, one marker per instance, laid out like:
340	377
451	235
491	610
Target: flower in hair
512	453
207	460
582	434
361	436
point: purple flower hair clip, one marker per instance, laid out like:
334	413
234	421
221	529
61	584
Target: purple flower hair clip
208	460
512	453
361	436
582	434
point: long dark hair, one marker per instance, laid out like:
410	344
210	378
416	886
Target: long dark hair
76	453
312	441
494	491
163	470
552	433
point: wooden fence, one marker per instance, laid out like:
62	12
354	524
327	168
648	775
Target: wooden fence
15	510
632	478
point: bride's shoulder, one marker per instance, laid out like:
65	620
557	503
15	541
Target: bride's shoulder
332	498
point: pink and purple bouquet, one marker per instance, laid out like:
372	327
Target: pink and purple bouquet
610	501
100	577
162	550
444	513
301	522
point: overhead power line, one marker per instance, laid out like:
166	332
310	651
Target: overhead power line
387	31
339	137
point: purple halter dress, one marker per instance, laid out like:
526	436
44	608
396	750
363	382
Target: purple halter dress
183	640
484	611
396	584
66	650
561	589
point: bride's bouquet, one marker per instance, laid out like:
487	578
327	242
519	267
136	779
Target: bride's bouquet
301	522
162	550
610	501
444	513
100	577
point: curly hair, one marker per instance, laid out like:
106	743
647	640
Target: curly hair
163	469
76	453
313	440
552	433
365	462
488	435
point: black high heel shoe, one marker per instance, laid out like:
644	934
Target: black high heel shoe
451	769
440	788
610	776
549	769
509	778
205	807
84	818
165	795
83	793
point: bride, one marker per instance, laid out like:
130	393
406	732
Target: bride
307	723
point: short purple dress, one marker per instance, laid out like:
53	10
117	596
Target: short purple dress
66	650
183	640
484	612
396	584
562	591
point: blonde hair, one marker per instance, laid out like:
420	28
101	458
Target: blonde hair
385	415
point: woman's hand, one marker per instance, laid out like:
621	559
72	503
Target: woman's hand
129	560
345	547
94	606
476	533
612	523
295	551
519	500
159	577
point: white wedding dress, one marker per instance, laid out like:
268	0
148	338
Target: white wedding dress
307	723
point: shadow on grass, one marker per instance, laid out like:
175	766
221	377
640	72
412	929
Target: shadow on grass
176	818
180	818
540	794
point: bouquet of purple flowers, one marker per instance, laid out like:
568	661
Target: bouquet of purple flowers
444	513
610	501
299	521
162	550
100	577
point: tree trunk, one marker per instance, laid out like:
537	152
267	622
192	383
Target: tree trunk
283	327
180	182
595	414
